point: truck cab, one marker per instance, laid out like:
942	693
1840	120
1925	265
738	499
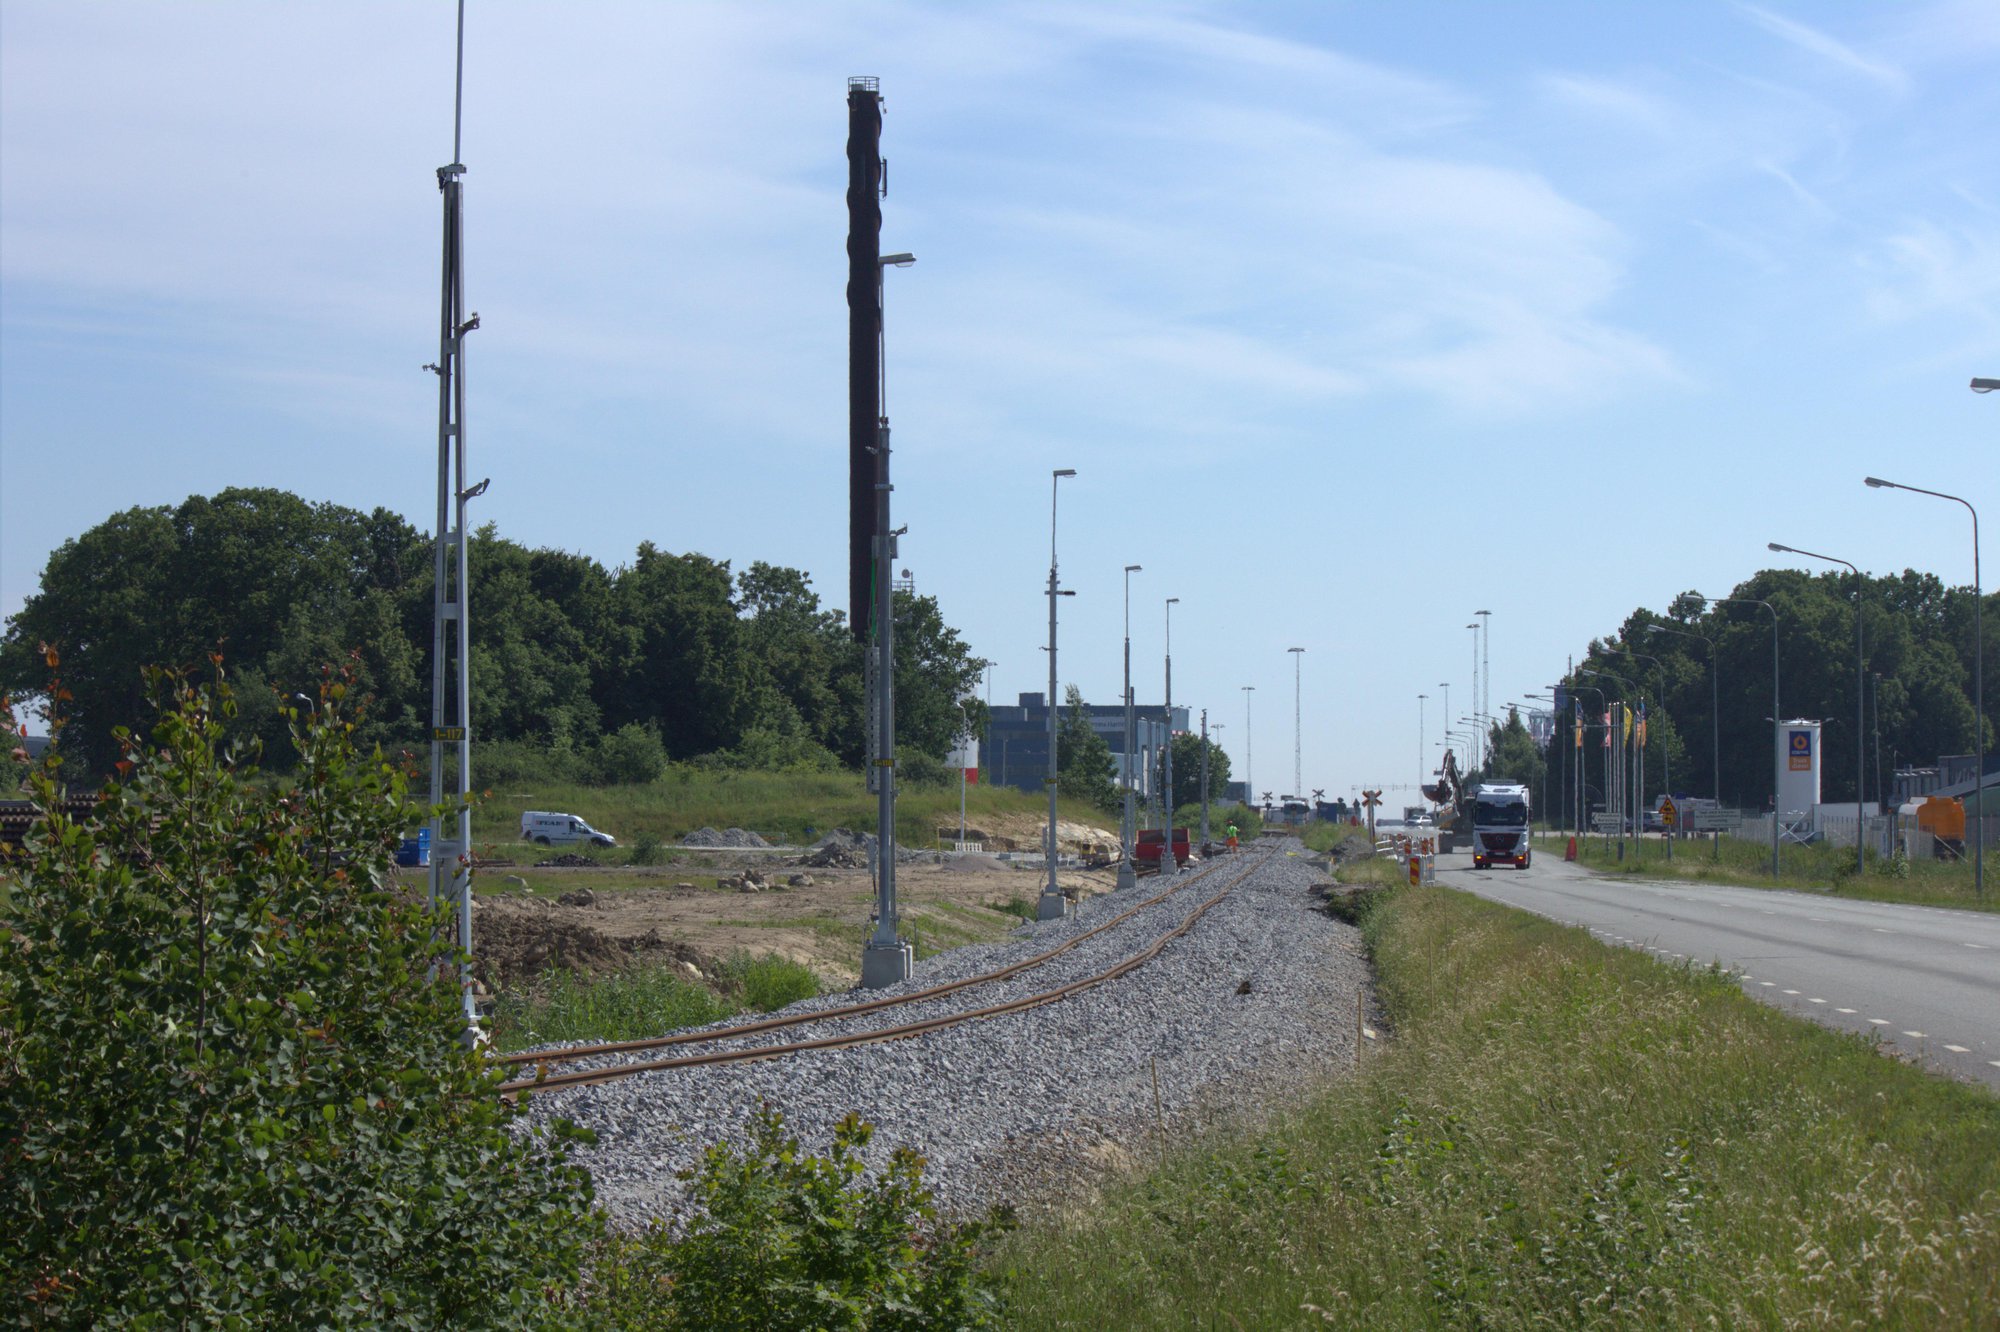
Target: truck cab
1500	821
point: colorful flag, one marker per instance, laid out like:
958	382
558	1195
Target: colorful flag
1642	725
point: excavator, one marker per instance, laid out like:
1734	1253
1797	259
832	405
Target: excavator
1454	806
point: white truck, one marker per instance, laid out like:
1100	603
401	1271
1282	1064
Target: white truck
1500	825
546	829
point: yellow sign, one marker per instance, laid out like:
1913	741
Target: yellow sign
1668	812
447	733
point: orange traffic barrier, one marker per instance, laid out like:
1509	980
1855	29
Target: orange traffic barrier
1571	853
1416	870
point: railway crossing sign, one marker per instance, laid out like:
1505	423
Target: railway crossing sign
1371	798
1667	811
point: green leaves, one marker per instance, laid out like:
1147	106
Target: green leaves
207	1005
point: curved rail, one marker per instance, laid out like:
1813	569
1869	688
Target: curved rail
546	1081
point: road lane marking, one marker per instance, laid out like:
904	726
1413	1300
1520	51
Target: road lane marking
1980	947
1768	984
1820	920
1879	930
1848	1011
1958	1049
1791	991
1815	1001
1880	1022
1918	1034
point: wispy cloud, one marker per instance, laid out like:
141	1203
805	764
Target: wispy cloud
1828	48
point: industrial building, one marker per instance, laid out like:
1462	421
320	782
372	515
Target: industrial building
1016	752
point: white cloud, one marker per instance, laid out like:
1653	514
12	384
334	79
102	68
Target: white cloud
1827	48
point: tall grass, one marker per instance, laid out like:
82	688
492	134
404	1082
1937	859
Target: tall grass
782	806
1559	1134
1826	867
644	1001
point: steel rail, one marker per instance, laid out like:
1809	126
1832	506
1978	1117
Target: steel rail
545	1081
575	1052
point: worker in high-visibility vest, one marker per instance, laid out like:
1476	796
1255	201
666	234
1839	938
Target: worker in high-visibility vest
1232	837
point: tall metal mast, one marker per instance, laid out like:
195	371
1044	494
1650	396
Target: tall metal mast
451	679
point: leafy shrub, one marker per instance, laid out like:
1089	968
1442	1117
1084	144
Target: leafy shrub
632	755
785	1241
770	982
626	1005
515	764
232	1089
647	849
922	772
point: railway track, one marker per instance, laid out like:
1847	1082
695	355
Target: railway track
544	1080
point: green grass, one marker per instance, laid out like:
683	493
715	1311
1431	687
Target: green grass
1819	867
644	1001
781	806
1324	837
1557	1134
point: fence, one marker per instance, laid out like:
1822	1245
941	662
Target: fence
1884	833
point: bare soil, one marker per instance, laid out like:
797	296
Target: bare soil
676	914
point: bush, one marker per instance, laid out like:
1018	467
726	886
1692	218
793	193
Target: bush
232	1089
514	764
632	755
770	982
628	1005
923	773
785	1241
647	850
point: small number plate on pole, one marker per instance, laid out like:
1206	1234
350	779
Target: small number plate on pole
447	733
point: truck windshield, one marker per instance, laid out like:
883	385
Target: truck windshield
1490	814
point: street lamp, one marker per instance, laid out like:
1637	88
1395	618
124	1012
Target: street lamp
1126	875
1860	701
1485	698
1777	757
1298	729
1978	660
1168	865
1474	627
1249	783
1714	701
1050	904
1422	754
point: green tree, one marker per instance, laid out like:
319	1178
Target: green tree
1187	771
1083	761
682	662
935	673
232	1092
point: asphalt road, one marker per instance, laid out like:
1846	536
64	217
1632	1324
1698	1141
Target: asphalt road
1926	979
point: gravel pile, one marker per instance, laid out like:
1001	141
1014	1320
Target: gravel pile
1259	996
736	838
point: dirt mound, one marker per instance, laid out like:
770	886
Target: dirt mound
843	848
515	948
567	860
738	838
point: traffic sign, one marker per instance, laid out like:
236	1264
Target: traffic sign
1667	811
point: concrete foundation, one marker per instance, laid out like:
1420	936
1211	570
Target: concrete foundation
885	964
1127	876
1051	906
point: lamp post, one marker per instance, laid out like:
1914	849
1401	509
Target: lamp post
1485	698
1978	662
1422	753
1249	783
1298	729
1168	865
1714	702
1050	905
1777	759
1860	704
1474	627
1582	763
1127	877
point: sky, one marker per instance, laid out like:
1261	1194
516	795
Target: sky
1353	319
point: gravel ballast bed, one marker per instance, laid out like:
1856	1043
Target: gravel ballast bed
1013	1108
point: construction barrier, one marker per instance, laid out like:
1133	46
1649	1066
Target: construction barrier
1571	853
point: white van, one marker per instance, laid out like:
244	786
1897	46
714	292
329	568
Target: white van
560	830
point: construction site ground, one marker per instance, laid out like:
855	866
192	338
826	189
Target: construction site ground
698	908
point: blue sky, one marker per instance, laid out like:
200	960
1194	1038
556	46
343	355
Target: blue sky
1318	299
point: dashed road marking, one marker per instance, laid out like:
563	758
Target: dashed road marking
1791	991
1879	930
1958	1049
1769	985
1815	1001
1880	1022
1994	1062
1918	1034
1848	1011
1980	947
1820	920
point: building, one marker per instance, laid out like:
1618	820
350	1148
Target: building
1016	752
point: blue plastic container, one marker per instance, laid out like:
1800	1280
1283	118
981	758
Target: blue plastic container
415	851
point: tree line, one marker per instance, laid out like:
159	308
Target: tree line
1915	688
668	657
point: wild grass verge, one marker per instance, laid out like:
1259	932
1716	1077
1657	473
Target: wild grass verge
644	1001
1559	1134
1820	867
